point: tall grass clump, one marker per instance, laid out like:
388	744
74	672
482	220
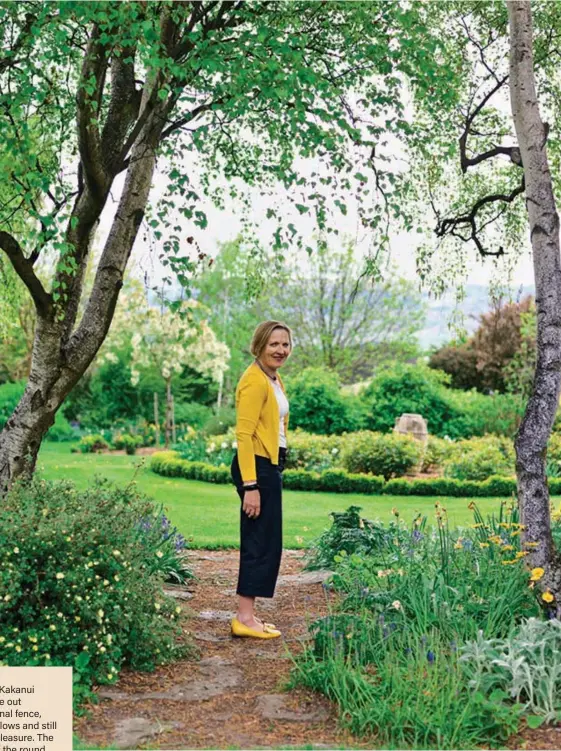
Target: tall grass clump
407	601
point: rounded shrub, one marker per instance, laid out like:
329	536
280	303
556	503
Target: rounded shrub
318	406
192	414
91	444
314	452
80	581
390	455
127	442
480	458
61	430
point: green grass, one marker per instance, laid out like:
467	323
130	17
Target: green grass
209	514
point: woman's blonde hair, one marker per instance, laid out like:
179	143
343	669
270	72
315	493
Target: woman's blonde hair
263	332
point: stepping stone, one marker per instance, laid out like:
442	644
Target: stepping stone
179	594
273	707
305	578
211	637
216	615
135	731
213	676
268	654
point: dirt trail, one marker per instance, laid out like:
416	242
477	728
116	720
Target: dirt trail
233	696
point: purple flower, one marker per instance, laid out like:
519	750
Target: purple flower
430	656
417	535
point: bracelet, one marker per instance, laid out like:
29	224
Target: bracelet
253	486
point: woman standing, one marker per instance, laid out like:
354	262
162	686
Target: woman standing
261	426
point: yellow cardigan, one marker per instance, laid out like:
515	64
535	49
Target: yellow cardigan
257	420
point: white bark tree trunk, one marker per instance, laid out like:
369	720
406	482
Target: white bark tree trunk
534	432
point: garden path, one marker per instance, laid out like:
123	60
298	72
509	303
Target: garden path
233	696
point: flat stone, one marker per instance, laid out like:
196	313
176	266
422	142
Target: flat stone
304	579
135	731
212	676
216	615
179	594
273	707
211	638
268	654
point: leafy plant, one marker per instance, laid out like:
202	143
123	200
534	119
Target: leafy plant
387	455
79	586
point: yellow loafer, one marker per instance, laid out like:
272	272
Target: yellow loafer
240	629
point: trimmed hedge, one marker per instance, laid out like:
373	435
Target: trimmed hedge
168	464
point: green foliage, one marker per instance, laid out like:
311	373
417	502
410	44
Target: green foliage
170	464
387	455
524	666
318	406
411	388
391	653
10	394
435	454
81	582
480	458
61	430
127	442
191	413
312	452
219	421
90	444
448	412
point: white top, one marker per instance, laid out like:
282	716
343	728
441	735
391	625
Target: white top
282	401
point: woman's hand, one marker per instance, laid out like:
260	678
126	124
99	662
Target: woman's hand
252	503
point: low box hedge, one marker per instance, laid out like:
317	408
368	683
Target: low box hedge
169	464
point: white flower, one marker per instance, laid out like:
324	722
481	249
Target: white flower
16	550
60	575
159	554
335	451
396	605
234	444
224	445
111	357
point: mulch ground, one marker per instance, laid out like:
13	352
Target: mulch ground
232	715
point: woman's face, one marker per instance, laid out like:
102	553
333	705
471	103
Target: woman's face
277	349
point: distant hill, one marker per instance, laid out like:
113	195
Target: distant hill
443	312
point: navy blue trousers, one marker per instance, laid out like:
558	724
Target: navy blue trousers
261	538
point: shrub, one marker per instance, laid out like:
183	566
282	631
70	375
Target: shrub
220	421
61	430
314	452
435	454
318	406
81	582
91	444
378	454
412	388
193	414
479	458
10	394
499	414
127	442
169	464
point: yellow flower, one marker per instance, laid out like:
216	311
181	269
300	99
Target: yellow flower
536	574
531	544
18	648
458	545
496	539
514	560
471	506
508	547
160	554
522	553
483	544
547	596
477	526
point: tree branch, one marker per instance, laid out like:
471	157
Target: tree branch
451	226
89	141
24	269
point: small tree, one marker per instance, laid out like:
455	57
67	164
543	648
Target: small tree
166	341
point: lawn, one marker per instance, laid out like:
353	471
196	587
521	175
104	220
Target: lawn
208	514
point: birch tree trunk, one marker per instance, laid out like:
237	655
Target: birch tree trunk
535	430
